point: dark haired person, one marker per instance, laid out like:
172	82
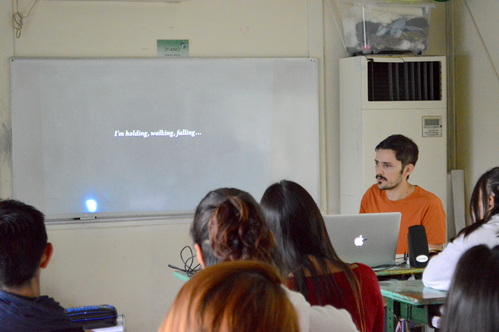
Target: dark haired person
472	304
484	211
306	256
396	157
228	226
24	251
234	296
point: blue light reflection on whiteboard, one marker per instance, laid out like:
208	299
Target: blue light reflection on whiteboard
91	205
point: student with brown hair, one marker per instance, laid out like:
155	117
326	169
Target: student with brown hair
306	255
238	296
229	226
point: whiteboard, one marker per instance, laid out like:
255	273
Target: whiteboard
127	137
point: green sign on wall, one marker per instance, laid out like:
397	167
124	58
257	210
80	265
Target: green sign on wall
176	47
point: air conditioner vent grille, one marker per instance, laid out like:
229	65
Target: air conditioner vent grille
406	81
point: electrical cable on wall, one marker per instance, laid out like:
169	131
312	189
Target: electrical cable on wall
482	40
18	17
336	19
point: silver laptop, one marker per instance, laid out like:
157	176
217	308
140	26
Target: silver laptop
369	238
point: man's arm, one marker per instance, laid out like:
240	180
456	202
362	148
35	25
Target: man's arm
435	223
364	202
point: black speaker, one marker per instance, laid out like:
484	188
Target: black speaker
418	246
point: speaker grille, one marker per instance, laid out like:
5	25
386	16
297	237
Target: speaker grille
404	81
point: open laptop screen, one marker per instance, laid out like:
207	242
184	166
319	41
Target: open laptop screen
368	238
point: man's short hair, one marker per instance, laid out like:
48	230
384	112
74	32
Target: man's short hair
23	239
406	151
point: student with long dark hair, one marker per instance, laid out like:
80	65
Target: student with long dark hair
239	296
484	211
305	254
472	304
229	226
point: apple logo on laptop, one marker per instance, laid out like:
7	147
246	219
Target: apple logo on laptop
359	241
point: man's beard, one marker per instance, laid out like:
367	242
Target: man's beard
388	186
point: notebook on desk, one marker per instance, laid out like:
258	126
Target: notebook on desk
369	238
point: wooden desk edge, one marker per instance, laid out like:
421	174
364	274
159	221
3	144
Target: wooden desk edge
399	271
411	292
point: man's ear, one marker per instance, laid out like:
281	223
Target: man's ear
408	169
199	255
491	202
47	255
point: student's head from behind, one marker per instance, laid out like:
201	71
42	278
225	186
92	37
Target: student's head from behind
297	223
23	243
485	197
242	296
396	157
472	303
303	248
228	226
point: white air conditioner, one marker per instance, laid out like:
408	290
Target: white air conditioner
385	95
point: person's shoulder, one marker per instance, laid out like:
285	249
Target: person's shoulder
419	191
4	294
360	267
424	195
319	318
35	314
295	297
494	220
330	319
7	297
491	224
49	302
374	188
485	233
364	272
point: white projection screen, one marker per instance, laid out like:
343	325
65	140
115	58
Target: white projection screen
125	137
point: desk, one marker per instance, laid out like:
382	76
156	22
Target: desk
398	270
388	272
410	300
